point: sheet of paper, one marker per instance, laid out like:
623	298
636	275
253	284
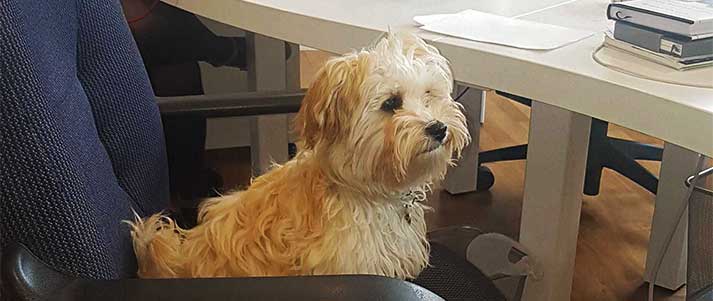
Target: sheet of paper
489	28
428	19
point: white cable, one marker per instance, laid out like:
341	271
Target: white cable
643	76
672	230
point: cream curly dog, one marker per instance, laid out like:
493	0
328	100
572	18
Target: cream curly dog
377	127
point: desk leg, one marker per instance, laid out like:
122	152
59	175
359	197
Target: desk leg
268	70
677	164
464	177
554	180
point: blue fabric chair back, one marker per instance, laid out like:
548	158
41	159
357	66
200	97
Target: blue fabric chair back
81	142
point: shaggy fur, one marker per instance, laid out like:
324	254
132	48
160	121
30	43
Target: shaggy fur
337	207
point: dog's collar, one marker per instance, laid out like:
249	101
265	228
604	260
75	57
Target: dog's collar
409	199
413	195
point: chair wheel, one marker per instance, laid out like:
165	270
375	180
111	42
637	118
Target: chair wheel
486	179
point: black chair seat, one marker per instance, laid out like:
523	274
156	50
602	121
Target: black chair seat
26	277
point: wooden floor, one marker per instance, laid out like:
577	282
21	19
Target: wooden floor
614	227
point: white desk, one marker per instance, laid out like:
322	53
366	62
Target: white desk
568	85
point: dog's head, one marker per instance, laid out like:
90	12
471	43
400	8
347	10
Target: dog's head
383	118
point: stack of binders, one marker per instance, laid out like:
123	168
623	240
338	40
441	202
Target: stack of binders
675	33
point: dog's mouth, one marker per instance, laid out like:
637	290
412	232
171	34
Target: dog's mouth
432	147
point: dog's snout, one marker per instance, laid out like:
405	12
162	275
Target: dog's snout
437	130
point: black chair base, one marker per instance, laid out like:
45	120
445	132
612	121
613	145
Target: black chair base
486	178
618	155
604	152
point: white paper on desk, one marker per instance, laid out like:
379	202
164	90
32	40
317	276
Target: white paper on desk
489	28
429	19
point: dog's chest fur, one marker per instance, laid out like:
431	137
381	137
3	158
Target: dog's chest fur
383	237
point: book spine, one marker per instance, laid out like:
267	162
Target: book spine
686	49
631	9
619	12
635	35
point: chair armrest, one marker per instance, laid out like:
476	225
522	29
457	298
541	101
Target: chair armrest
231	105
25	277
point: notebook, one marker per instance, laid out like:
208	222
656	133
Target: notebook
691	18
663	59
663	42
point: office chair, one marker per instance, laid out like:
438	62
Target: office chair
604	152
699	280
82	146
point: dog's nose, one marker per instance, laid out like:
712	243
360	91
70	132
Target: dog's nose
437	130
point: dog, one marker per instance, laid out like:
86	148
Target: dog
377	127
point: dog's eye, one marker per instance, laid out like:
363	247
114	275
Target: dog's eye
391	104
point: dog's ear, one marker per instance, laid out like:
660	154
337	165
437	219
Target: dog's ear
330	101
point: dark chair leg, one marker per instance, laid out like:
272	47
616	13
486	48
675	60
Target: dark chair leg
631	169
599	148
592	177
518	152
636	150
